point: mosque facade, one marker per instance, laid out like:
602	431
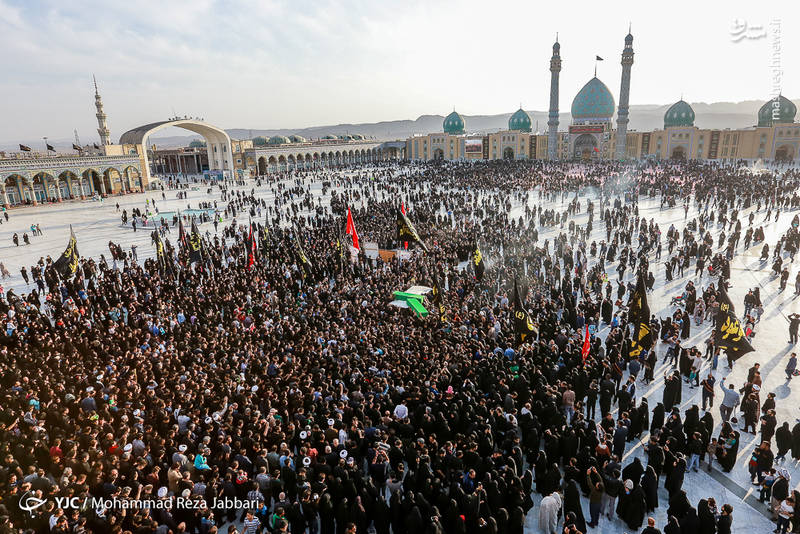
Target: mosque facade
594	135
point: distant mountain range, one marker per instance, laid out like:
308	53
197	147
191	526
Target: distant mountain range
718	115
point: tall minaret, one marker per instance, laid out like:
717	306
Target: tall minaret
624	95
552	122
102	127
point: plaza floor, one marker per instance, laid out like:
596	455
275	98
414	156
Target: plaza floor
96	223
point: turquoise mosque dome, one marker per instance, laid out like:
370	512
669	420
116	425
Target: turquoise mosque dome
786	111
259	141
520	121
679	114
454	124
197	144
593	101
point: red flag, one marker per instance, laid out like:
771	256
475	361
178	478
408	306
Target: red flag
585	349
403	207
351	229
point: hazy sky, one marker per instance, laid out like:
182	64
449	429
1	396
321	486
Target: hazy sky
275	64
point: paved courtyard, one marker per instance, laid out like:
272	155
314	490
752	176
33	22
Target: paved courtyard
96	223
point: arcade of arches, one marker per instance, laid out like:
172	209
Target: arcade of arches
70	184
316	159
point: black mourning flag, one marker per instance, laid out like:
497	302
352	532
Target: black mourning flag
438	300
76	147
251	248
477	263
305	264
639	316
67	263
598	58
161	253
406	231
265	241
182	232
523	325
195	242
25	148
96	146
728	332
50	147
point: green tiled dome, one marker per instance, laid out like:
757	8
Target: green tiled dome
679	114
197	144
520	121
297	139
593	101
259	141
785	114
454	124
278	140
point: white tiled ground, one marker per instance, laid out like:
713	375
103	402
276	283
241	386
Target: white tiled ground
96	223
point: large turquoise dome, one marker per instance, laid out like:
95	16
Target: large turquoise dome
197	144
593	101
259	141
520	121
679	114
454	124
786	110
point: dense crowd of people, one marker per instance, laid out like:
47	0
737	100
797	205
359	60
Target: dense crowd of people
269	386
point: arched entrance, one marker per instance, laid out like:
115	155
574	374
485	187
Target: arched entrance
94	181
132	179
784	153
15	185
262	166
585	147
678	153
508	153
273	164
41	187
112	177
438	153
218	143
66	183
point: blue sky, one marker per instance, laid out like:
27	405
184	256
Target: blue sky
274	64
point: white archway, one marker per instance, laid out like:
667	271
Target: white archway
218	143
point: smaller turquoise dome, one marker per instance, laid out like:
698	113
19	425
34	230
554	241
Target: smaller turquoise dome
346	137
520	121
454	124
773	112
197	144
329	137
358	137
679	114
259	141
278	140
297	139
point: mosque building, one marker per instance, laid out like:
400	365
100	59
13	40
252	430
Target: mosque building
593	134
